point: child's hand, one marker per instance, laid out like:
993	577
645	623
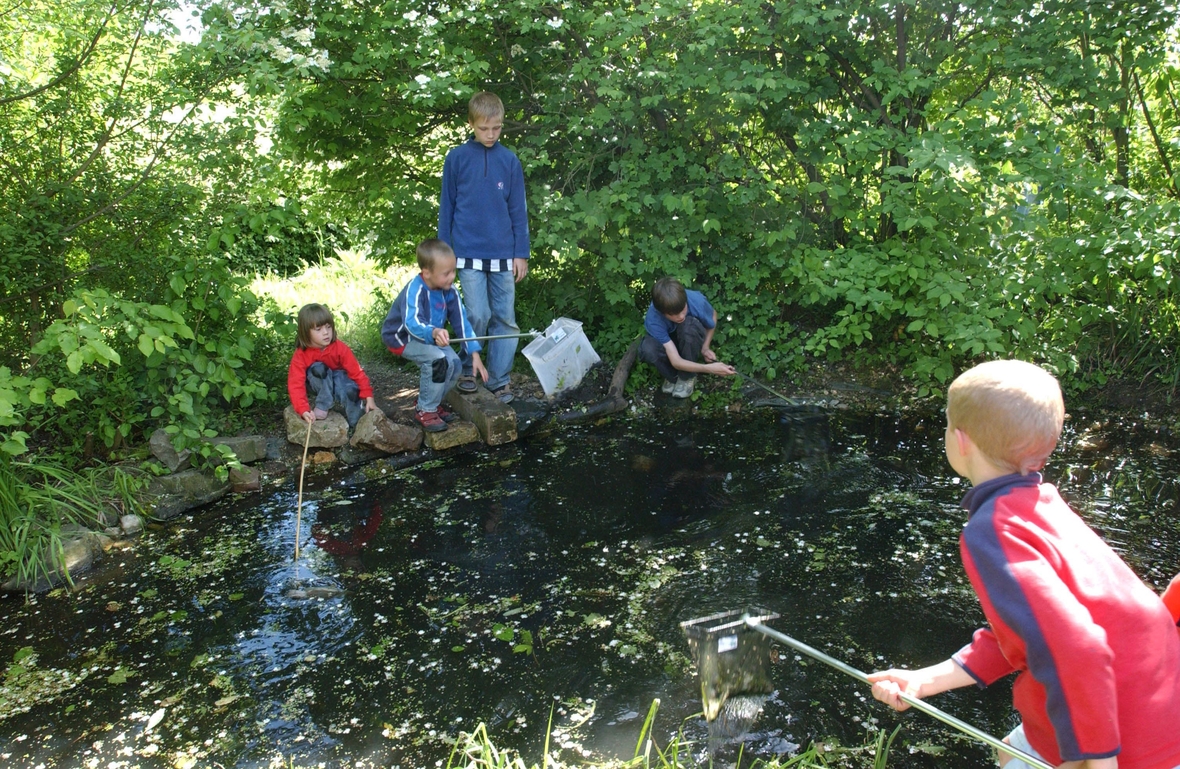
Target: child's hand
441	337
520	268
708	355
370	404
888	686
308	417
720	369
477	367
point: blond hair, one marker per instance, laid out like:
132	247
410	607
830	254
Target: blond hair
484	104
1011	410
311	317
430	251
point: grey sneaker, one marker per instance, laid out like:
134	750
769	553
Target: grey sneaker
668	386
683	387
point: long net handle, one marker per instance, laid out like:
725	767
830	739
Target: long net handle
914	702
299	502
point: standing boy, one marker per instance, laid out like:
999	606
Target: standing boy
482	215
1096	652
415	329
679	328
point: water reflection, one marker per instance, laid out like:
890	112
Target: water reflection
551	573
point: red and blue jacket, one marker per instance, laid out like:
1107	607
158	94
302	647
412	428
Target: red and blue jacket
418	310
1096	651
337	355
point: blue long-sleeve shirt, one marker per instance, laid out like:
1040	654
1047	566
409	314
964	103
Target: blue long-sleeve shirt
482	213
418	310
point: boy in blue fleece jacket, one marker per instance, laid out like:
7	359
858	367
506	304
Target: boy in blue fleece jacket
483	217
415	329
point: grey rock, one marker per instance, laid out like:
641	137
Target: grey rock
171	495
161	447
80	549
245	479
131	524
247	448
327	433
375	431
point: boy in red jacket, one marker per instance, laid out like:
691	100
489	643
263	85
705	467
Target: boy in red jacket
1096	652
325	368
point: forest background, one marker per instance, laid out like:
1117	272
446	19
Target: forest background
907	187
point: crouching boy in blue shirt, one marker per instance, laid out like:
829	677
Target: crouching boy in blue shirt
679	328
415	329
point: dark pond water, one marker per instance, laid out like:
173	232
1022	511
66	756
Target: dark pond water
548	576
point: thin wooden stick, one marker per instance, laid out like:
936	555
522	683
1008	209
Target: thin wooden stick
299	503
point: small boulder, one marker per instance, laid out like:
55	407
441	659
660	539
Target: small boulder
456	434
161	447
323	458
329	433
171	495
244	480
247	448
131	524
375	431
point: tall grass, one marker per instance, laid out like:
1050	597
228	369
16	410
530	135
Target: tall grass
38	498
352	286
476	750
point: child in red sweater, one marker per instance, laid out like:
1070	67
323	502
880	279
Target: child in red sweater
325	369
1095	651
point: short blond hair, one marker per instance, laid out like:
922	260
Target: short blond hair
430	251
1012	411
484	104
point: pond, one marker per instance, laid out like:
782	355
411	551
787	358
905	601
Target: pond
546	580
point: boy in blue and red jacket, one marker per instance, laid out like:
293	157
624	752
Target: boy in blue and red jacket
1095	650
415	329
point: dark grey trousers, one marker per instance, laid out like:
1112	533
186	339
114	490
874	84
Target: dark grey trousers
326	387
688	337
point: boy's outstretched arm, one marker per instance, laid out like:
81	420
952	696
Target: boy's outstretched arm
680	364
889	684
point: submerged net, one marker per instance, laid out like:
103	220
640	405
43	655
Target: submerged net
733	662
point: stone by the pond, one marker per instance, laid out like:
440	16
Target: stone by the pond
131	524
376	431
245	479
160	445
457	434
495	421
171	495
247	448
80	548
329	433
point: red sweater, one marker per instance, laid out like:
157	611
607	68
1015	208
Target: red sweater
1096	652
336	355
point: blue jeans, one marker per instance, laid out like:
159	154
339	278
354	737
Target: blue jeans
439	368
490	299
327	387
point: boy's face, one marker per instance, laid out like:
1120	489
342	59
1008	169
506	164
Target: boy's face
953	455
441	276
321	335
678	317
487	129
